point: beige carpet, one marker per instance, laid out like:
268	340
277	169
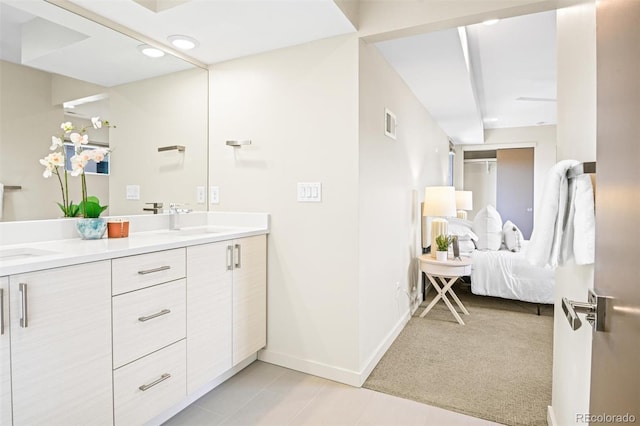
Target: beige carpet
496	367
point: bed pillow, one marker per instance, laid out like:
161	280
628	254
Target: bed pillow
466	247
488	226
512	236
462	228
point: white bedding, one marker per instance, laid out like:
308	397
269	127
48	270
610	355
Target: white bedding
509	275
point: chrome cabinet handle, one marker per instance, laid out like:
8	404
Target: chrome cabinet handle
24	320
1	311
229	258
150	271
156	315
238	258
162	378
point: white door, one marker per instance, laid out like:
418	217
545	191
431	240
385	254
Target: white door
61	346
249	296
615	370
5	354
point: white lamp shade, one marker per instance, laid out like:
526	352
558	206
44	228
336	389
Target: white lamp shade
464	200
439	201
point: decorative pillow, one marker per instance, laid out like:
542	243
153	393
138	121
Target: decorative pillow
466	247
512	236
462	228
488	226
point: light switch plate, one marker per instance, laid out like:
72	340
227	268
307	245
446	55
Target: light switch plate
214	195
133	192
310	192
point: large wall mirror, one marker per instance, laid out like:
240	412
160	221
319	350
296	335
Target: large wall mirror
55	67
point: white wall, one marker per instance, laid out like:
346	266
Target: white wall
482	179
161	111
31	105
299	106
576	140
541	138
393	174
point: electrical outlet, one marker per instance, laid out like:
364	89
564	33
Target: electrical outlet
200	195
214	195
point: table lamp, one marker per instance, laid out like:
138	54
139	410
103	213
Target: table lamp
439	202
464	202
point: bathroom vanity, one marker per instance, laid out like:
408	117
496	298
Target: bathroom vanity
131	330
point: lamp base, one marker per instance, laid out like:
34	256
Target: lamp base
439	226
461	214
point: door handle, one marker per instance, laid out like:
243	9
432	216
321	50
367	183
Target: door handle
595	310
24	315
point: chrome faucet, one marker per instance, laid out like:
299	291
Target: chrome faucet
156	208
175	211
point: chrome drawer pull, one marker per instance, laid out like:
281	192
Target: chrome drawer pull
1	311
229	257
162	378
238	247
150	271
156	315
24	321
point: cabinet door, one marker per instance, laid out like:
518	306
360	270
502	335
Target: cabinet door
61	346
249	296
5	355
208	312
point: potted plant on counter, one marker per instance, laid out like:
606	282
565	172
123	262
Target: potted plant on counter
442	242
90	225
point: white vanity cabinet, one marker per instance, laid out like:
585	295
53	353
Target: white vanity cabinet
226	306
5	354
149	330
60	328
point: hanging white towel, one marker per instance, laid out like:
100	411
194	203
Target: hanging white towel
584	221
546	241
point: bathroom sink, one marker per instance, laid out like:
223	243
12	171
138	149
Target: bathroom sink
23	253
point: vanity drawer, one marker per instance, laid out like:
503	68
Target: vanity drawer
163	377
147	320
144	270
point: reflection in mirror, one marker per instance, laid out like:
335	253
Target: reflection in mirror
56	66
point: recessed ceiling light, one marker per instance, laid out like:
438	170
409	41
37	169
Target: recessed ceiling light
183	42
150	51
490	21
490	120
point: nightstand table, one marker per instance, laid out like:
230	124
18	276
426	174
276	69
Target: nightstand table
446	272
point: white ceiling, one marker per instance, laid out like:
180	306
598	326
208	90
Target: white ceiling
462	77
228	29
508	74
482	77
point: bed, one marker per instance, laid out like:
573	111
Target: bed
500	267
503	273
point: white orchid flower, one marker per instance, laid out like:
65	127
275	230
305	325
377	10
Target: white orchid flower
50	162
97	124
55	143
78	139
98	154
67	126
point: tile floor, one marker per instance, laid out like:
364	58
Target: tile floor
265	394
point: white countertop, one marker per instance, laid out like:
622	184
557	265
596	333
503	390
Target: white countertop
37	255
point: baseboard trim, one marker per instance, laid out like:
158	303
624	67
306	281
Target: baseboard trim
376	356
551	416
337	374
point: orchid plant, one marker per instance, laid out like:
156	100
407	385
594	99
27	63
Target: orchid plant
90	206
